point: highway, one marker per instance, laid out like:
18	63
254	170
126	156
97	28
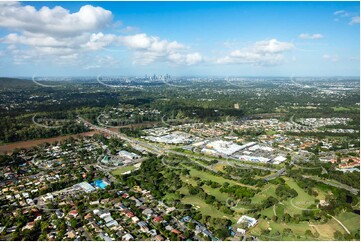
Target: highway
151	148
334	184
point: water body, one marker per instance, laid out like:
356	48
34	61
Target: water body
100	183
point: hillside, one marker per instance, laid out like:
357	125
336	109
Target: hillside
6	82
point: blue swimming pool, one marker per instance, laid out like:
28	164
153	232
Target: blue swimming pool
100	183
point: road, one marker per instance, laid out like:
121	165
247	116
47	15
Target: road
343	226
151	148
277	174
274	209
332	183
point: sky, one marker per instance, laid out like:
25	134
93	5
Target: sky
180	38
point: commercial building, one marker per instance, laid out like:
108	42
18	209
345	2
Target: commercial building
254	158
279	159
246	219
86	187
128	155
222	147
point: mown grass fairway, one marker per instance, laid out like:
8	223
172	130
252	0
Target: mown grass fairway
298	204
207	176
204	208
219	167
266	191
121	170
350	220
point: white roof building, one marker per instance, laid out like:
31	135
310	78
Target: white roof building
254	158
279	159
223	147
127	237
86	187
250	221
260	147
128	155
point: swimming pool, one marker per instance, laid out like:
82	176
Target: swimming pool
100	183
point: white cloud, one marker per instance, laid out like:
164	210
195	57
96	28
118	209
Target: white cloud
311	36
52	34
272	46
341	13
332	58
193	58
55	21
98	41
268	52
148	49
59	34
355	20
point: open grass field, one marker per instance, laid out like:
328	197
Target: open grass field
296	205
271	132
212	191
325	230
215	192
304	107
344	109
350	220
321	193
199	203
219	167
266	191
268	212
188	180
298	229
121	170
302	201
204	208
340	109
207	176
291	206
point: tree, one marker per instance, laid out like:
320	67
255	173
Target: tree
308	233
222	233
337	235
44	226
73	222
287	231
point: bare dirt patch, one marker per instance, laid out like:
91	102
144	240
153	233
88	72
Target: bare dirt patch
8	148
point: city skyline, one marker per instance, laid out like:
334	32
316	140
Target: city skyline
180	38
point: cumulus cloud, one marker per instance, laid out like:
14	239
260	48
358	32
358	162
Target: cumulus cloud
60	34
148	49
268	52
51	33
98	41
311	36
55	21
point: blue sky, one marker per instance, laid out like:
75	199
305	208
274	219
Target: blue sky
180	38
